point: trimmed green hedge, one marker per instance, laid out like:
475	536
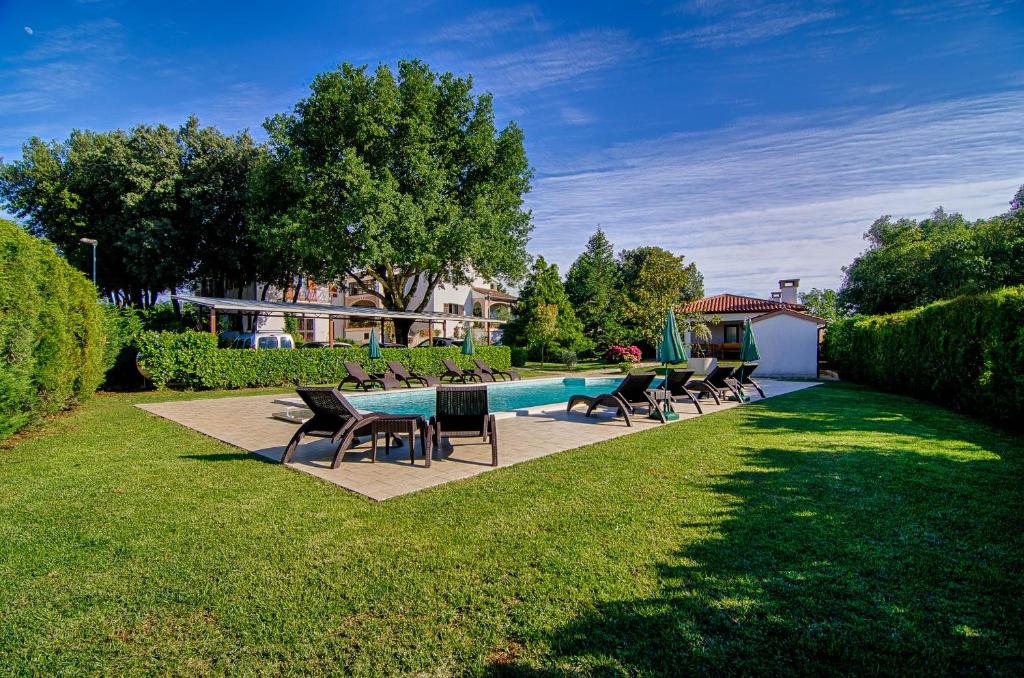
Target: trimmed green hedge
51	331
966	353
192	360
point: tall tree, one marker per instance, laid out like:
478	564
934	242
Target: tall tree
822	303
543	287
406	181
592	284
652	280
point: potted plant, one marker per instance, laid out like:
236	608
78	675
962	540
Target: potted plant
699	327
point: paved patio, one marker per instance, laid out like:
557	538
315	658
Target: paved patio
247	422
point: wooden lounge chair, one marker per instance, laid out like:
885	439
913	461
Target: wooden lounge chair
453	372
717	383
742	377
334	417
358	375
677	391
402	374
462	413
627	396
481	366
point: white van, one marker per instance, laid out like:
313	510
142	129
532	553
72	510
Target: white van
263	340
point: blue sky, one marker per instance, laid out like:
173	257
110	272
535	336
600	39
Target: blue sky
760	139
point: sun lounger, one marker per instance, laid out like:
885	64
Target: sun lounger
742	377
402	374
627	396
453	372
334	417
484	368
358	375
677	391
462	413
718	384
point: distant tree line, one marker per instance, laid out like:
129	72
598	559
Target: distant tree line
399	177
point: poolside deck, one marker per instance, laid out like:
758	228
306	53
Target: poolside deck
247	422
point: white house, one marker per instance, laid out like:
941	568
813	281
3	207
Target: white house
787	336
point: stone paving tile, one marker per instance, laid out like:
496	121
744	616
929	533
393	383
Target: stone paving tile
247	422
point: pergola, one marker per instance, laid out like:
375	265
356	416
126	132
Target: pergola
216	305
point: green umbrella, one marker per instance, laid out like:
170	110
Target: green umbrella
670	350
374	345
748	349
467	344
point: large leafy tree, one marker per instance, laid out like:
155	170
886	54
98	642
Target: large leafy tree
652	280
592	284
543	288
823	303
910	263
405	181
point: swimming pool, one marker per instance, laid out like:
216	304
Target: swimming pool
509	396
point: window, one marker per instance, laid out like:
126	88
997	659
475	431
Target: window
478	310
456	309
286	342
267	342
307	329
732	333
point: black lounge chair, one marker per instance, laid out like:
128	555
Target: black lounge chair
627	396
718	383
742	377
453	372
402	374
462	413
358	375
677	391
481	366
334	417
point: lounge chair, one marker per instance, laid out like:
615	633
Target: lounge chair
677	391
334	417
481	366
742	377
453	372
462	413
718	383
627	396
402	374
358	375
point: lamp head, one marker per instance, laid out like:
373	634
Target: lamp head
87	241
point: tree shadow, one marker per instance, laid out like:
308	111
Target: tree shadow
851	558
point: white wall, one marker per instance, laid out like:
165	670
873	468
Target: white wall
788	346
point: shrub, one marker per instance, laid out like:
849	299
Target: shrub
519	356
569	359
625	366
192	360
966	353
630	354
51	331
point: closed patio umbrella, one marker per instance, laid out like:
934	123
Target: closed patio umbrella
748	349
468	348
374	346
670	350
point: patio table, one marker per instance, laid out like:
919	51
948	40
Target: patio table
393	426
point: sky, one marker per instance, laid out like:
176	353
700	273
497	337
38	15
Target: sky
758	139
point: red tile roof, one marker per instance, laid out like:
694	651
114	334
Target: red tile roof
497	295
734	303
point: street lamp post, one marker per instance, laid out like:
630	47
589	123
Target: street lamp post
91	241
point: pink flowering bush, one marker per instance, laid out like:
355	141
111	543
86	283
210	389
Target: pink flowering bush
623	354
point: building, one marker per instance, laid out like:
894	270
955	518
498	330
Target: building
476	299
787	336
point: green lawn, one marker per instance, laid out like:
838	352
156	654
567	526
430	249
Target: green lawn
833	528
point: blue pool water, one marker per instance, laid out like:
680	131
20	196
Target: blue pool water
501	397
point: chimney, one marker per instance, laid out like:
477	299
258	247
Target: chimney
788	291
776	296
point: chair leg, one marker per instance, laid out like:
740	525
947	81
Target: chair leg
493	425
694	400
346	442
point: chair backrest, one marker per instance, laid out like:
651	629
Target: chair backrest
451	366
718	375
327	404
398	369
677	380
357	371
744	371
482	366
461	408
633	386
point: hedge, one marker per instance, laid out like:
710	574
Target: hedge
966	353
51	331
192	360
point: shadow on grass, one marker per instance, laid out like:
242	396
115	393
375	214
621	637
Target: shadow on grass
844	555
229	456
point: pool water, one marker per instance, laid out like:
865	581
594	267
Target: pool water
501	396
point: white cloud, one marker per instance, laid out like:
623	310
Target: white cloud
764	200
745	24
28	30
486	24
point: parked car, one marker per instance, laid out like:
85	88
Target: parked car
387	344
324	344
263	340
439	341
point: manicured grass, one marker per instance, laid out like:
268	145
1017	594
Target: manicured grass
830	529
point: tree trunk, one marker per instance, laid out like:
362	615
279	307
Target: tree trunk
402	327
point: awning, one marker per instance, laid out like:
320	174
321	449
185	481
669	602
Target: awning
311	310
